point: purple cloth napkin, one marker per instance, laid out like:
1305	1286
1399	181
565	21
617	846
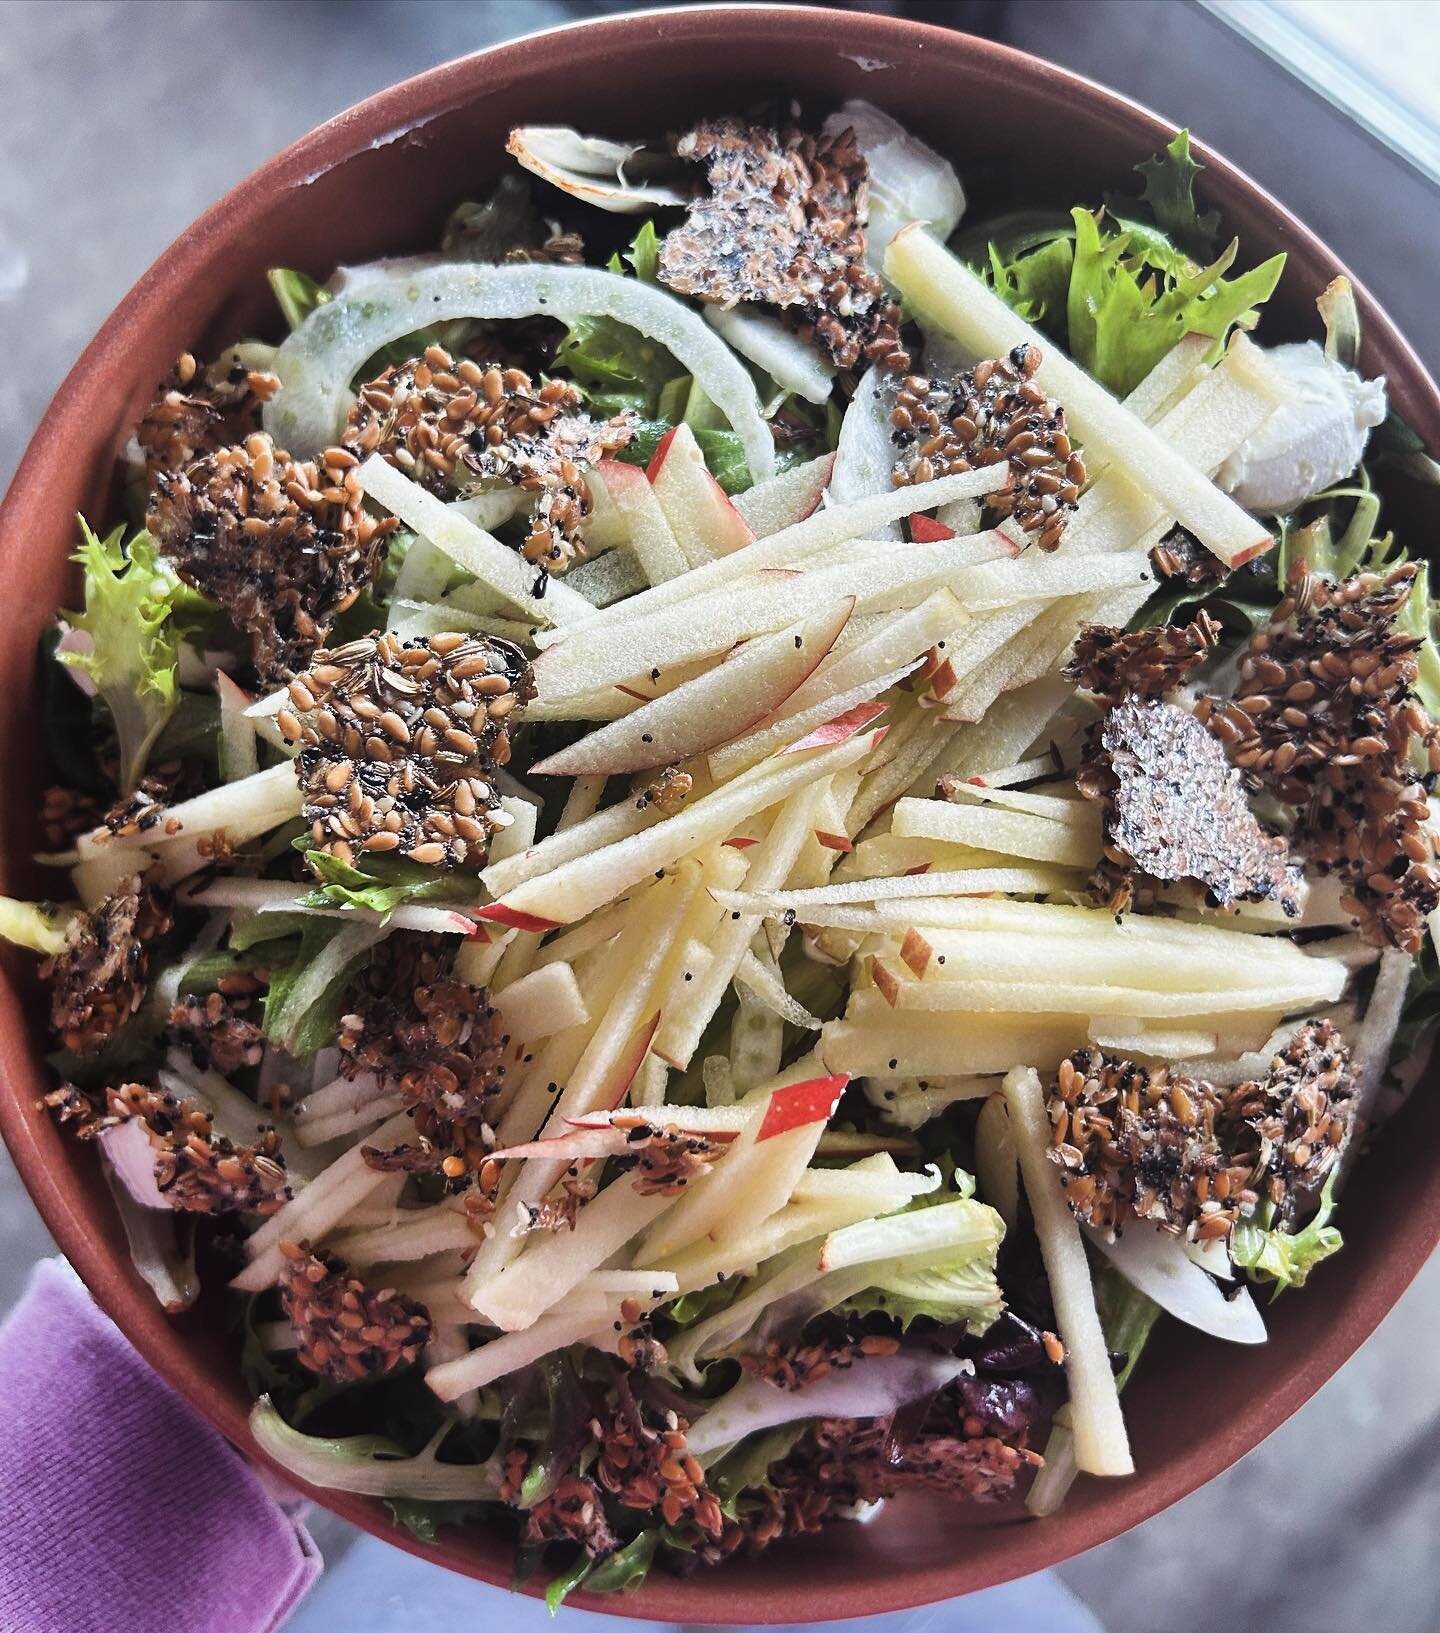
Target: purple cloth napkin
124	1512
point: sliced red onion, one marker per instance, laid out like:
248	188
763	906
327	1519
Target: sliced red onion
131	1156
79	641
873	1386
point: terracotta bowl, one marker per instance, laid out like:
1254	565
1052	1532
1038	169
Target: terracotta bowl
379	180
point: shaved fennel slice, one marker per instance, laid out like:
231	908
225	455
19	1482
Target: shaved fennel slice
1101	1443
791	363
873	1386
909	181
1157	1264
589	168
318	361
864	455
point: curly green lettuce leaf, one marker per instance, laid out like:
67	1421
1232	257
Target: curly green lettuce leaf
617	367
746	1468
136	612
689	1308
422	1517
1036	285
1168	200
723	453
1285	1258
1241	605
627	1567
316	1026
643	256
1127	1317
564	1582
1119	287
1126	309
373	1465
1397	443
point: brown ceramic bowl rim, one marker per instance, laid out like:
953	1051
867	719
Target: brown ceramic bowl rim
1017	1550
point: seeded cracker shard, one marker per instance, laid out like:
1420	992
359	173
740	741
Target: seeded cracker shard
98	980
840	1462
346	1330
1158	1145
216	1032
433	1038
645	1462
1181	555
783	224
400	742
574	1512
1290	1125
283	545
201	410
1324	717
992	413
668	792
1175	811
438	421
1144	663
196	1170
1137	1143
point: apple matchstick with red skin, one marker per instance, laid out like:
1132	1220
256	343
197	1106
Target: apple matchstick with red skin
796	1104
787	498
752	682
697	508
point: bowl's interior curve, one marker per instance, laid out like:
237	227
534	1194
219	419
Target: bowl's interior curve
380	180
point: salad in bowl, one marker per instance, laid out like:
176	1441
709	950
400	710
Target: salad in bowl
717	838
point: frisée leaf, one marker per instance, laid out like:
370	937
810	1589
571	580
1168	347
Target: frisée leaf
1119	287
1168	199
296	293
136	612
1282	1257
1128	305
